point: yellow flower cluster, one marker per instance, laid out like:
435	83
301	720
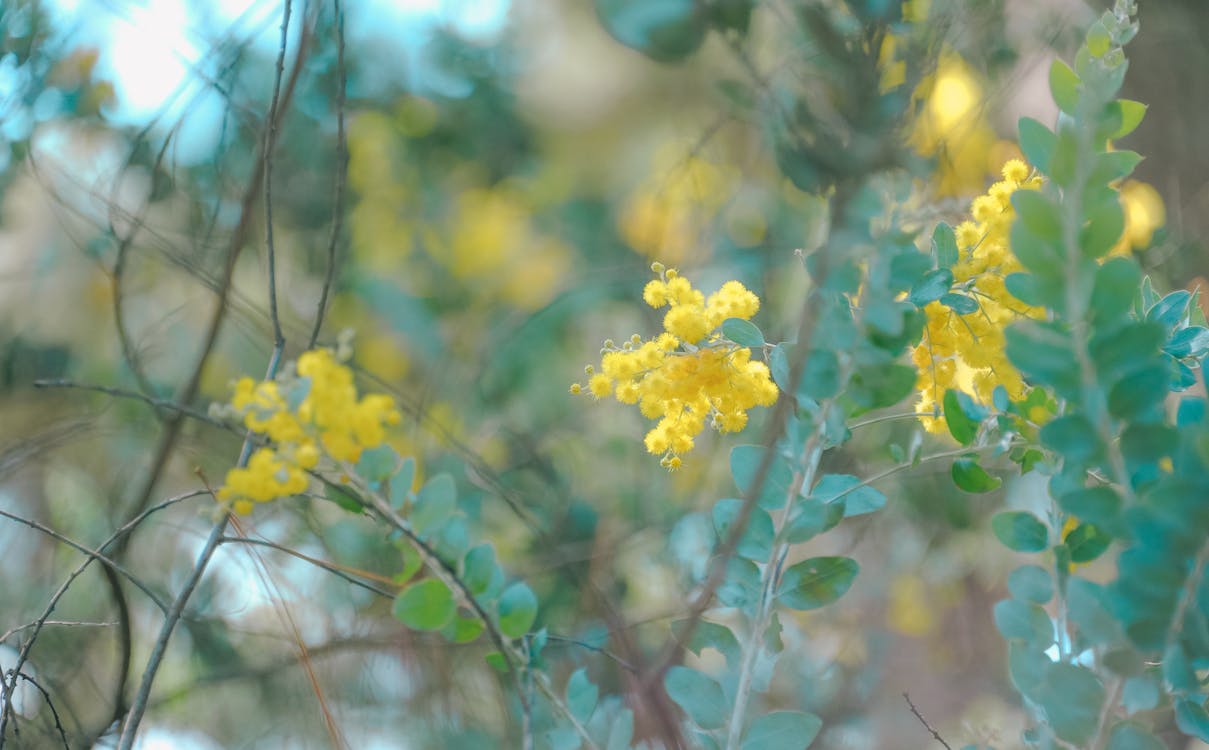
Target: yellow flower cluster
308	413
966	352
689	373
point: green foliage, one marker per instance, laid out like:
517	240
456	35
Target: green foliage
426	605
816	582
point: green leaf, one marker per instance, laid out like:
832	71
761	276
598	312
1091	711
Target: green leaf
1192	720
1086	542
944	246
742	332
1020	621
497	661
1031	583
517	610
741	586
1020	531
756	542
1027	667
1071	697
879	387
482	576
1087	604
931	287
462	629
663	30
782	730
811	517
699	695
857	500
816	582
1140	694
1098	505
745	460
1170	310
426	605
1064	85
434	505
1126	736
1104	227
959	303
377	464
1116	283
581	695
1037	143
971	477
713	635
961	427
1131	116
1039	214
1136	394
400	483
1044	355
821	376
1072	436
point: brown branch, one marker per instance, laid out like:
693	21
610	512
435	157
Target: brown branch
924	721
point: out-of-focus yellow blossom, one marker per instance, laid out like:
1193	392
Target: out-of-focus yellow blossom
966	352
952	126
689	374
668	213
910	612
309	413
485	237
1144	213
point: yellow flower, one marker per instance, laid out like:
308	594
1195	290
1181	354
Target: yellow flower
715	380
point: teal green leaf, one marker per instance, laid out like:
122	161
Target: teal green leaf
931	287
882	386
1086	542
426	605
1020	531
435	504
961	427
1037	143
1031	583
517	608
745	460
742	332
857	499
1098	505
1126	736
480	573
1104	227
741	586
663	30
581	695
1021	621
782	730
1072	436
713	635
811	517
1071	697
944	246
816	582
1087	605
462	629
1038	214
1141	693
400	483
1131	116
1064	85
699	695
1192	720
972	478
756	542
377	464
1116	283
622	731
1171	309
1027	667
959	303
1136	394
821	375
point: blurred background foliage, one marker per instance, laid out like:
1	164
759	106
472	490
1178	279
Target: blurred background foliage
508	183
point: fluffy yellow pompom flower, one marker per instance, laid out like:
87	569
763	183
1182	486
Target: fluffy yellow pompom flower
689	374
967	352
310	412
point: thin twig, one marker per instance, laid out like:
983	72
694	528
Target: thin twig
341	175
62	623
924	721
270	141
50	704
332	568
7	687
94	554
158	403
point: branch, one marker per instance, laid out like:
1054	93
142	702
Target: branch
270	141
924	721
